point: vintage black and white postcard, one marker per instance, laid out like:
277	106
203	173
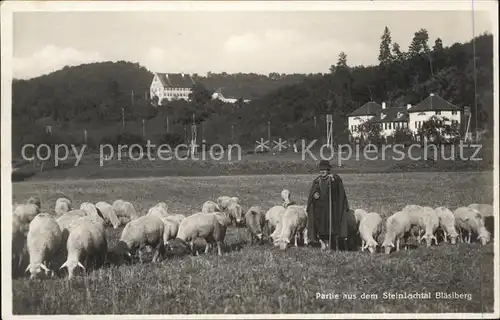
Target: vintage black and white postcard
250	159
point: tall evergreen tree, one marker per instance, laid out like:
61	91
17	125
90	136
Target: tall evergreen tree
419	43
385	56
397	56
438	45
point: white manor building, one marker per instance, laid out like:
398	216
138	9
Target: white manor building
171	86
411	117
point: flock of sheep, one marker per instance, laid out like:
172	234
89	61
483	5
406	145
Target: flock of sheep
76	238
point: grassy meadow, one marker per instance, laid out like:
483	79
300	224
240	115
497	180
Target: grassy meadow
260	278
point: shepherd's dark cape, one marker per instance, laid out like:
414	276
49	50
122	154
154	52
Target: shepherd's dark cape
318	221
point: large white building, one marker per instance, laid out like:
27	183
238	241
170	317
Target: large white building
171	86
411	117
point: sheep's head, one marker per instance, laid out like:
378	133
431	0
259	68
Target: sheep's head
71	266
35	270
236	213
282	243
484	237
388	246
372	246
428	239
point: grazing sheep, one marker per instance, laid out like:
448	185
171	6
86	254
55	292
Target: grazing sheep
86	243
210	206
109	214
293	224
125	209
18	242
273	217
62	206
429	222
144	231
359	214
171	226
202	225
89	208
398	227
68	221
487	211
447	224
224	201
163	205
44	240
255	222
235	213
36	201
26	212
224	221
470	220
369	230
414	216
285	195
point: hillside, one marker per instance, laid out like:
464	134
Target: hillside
91	97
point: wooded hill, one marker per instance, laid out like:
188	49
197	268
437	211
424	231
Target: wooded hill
92	96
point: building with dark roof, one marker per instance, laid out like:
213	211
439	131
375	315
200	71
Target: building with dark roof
433	106
398	117
171	86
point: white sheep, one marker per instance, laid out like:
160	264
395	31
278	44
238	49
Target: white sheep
69	220
199	225
359	214
293	224
44	240
273	218
470	220
398	227
144	231
369	229
235	213
429	222
224	201
125	209
19	232
414	212
285	195
62	206
224	221
86	243
26	212
255	222
171	226
210	206
36	201
108	213
486	210
447	224
89	208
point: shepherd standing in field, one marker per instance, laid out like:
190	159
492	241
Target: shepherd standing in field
327	209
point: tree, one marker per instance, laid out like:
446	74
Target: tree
397	56
419	43
438	45
342	61
371	132
385	56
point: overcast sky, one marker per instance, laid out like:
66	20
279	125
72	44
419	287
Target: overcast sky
198	42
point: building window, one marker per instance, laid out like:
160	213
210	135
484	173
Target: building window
385	126
390	125
438	113
453	113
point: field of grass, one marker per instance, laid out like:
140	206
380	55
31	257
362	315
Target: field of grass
260	278
263	163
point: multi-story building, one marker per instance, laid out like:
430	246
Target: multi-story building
171	86
411	117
